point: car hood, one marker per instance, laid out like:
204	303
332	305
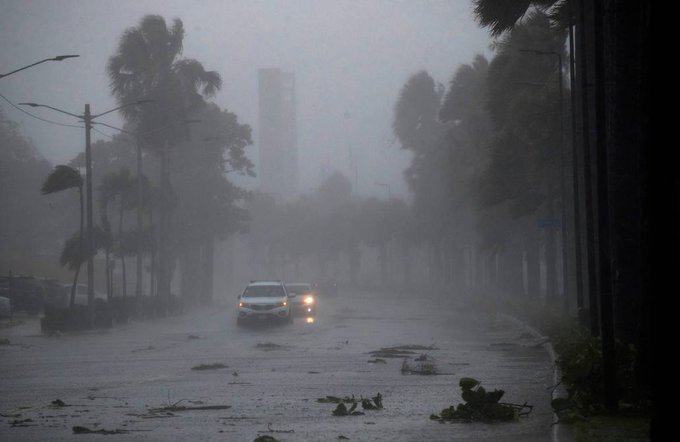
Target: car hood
262	300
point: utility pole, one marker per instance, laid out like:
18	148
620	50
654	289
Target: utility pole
138	280
87	119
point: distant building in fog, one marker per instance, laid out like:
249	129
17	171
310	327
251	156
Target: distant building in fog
277	134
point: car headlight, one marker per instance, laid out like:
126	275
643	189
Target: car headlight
309	300
240	304
283	303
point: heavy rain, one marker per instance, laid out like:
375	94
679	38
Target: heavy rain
316	220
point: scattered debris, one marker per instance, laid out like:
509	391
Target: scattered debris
85	430
177	408
21	422
377	361
341	410
269	346
265	438
337	400
422	368
313	372
215	366
375	403
59	403
234	374
391	353
341	437
192	337
481	405
400	351
271	430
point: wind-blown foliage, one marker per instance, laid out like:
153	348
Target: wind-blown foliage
148	65
62	178
502	15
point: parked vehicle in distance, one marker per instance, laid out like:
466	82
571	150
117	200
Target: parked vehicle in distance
264	300
29	293
303	298
5	307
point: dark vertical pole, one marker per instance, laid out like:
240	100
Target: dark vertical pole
589	163
578	265
605	280
87	119
138	291
563	196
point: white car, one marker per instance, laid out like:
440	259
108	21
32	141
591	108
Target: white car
264	300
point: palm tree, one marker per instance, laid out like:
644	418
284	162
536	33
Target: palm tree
118	186
148	64
63	178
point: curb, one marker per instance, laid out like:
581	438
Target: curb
557	375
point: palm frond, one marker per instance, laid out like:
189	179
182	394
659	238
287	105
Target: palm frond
61	178
502	15
73	255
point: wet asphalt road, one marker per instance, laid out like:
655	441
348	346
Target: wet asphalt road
111	380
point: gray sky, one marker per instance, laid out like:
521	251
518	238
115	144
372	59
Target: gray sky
349	57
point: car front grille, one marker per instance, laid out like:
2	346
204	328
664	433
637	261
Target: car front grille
262	306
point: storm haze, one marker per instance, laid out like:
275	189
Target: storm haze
323	220
350	59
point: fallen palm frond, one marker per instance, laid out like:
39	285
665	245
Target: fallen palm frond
85	430
271	430
337	400
341	410
215	366
482	406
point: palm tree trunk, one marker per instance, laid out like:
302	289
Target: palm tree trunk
80	243
163	252
121	248
209	263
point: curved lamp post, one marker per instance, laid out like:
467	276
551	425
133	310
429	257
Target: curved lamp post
57	58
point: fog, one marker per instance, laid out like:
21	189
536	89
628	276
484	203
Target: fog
350	59
326	220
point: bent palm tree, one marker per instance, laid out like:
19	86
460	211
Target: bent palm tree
148	64
63	178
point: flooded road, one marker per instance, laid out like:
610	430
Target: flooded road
265	380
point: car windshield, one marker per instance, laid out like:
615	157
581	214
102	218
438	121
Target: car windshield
264	291
298	289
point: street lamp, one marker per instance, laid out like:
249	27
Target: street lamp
57	58
88	118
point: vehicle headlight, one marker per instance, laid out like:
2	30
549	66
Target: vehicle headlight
283	303
309	300
240	304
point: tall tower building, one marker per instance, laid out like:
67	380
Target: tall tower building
277	134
